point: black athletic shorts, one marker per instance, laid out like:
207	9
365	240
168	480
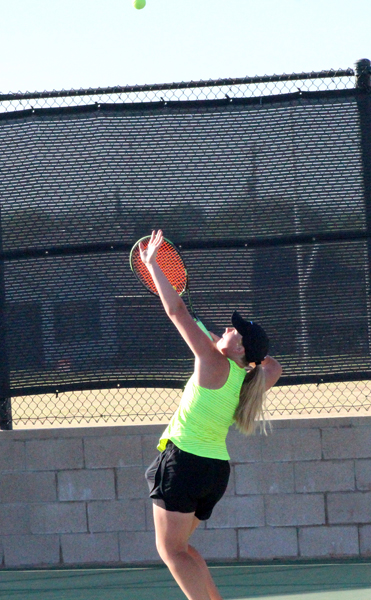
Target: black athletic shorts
183	482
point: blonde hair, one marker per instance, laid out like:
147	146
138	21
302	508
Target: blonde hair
250	409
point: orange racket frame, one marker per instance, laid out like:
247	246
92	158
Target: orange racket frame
170	261
172	265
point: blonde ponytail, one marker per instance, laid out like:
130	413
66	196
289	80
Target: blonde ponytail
250	409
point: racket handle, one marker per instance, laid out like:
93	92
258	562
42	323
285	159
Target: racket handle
202	327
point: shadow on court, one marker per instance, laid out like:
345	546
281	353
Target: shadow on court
336	581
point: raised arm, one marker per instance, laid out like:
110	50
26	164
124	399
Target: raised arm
174	306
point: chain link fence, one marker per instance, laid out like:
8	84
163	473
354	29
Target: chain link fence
139	406
268	177
194	91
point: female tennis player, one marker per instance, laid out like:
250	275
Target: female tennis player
190	475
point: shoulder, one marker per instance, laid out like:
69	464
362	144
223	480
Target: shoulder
216	374
211	371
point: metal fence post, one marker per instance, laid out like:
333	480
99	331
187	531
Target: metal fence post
5	400
363	74
363	85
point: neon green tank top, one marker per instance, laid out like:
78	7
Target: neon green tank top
201	422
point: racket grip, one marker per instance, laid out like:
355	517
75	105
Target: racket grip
203	328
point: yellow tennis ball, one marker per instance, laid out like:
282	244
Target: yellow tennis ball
139	4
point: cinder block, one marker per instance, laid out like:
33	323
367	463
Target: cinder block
238	511
138	546
27	487
113	451
215	544
316	542
352	442
306	444
277	447
361	421
12	456
275	424
231	488
292	443
81	548
349	507
324	476
268	543
54	454
295	509
58	517
244	449
149	447
272	478
86	485
31	550
150	525
131	483
363	474
365	540
117	516
343	422
15	519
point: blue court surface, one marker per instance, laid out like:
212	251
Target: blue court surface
307	581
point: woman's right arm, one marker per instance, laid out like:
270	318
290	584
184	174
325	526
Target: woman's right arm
197	340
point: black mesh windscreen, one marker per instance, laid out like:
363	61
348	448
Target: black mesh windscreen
78	188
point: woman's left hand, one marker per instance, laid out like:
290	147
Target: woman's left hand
148	254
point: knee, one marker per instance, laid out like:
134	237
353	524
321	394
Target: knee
169	551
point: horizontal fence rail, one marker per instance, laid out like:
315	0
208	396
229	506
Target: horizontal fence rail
248	87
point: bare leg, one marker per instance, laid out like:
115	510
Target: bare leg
211	587
184	562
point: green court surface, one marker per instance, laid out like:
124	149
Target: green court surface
313	581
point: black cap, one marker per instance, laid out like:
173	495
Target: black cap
254	339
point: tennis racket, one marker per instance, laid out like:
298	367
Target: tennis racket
173	266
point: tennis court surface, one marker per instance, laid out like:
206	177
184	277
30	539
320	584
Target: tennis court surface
314	581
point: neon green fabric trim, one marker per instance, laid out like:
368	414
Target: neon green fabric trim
201	422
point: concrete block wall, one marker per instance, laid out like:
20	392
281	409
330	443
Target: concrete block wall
78	496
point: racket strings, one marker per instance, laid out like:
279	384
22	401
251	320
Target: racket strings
170	263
